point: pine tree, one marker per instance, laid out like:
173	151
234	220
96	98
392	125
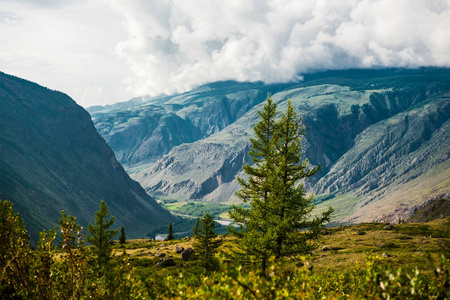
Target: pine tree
122	237
196	227
205	246
170	233
279	209
101	235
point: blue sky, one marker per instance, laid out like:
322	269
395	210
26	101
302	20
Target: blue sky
104	51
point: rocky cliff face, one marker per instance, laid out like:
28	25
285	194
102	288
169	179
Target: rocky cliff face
380	137
53	159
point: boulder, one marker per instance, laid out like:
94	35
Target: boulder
179	250
388	227
160	254
188	254
388	255
166	262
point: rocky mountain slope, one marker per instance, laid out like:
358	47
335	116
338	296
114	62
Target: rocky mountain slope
52	159
381	137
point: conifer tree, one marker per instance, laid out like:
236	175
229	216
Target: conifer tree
206	246
279	209
101	235
122	237
170	233
196	227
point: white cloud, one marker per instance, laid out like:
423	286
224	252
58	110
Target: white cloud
175	45
65	45
103	51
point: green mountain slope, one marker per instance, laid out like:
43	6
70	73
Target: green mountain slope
53	159
379	135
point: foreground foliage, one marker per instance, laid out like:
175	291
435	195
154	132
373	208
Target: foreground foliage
69	271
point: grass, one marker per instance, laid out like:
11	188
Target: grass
199	209
408	246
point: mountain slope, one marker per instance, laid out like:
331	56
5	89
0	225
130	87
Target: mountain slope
379	135
53	159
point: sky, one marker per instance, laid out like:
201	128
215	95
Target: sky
104	51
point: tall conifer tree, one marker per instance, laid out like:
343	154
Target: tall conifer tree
100	234
196	227
122	237
170	233
279	209
206	245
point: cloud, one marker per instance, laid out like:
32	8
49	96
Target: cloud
174	45
66	46
104	51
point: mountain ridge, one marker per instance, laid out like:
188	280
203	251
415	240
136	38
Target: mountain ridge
53	159
344	112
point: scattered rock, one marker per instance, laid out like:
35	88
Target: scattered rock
325	248
166	262
388	255
162	245
187	238
187	254
179	249
358	240
160	254
388	227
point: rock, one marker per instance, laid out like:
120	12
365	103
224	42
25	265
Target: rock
160	254
178	250
162	245
388	255
325	248
167	262
187	254
388	227
187	238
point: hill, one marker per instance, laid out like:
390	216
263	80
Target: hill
53	159
379	135
435	209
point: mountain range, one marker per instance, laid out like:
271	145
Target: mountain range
53	159
380	136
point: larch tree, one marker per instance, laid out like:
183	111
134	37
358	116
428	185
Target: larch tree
170	233
196	227
278	222
100	235
122	237
206	245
